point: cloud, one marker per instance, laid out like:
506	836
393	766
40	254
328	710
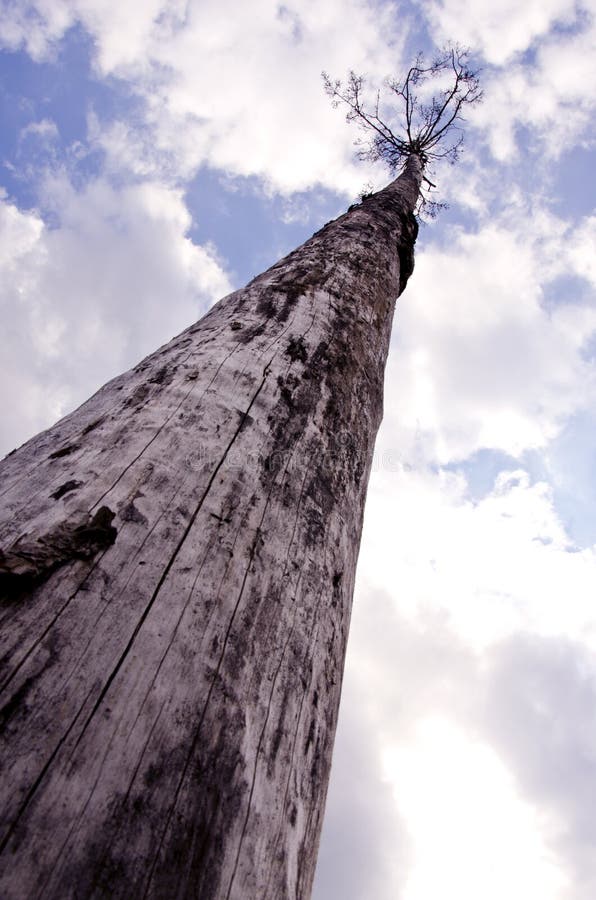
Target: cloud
365	846
489	567
207	101
470	670
582	250
36	27
446	782
499	32
478	360
425	698
546	100
488	748
541	55
540	696
206	75
83	298
44	130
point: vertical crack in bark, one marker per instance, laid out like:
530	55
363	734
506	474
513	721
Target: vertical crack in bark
261	737
211	687
312	644
132	780
34	787
162	426
258	750
130	643
98	618
275	677
172	559
309	653
201	720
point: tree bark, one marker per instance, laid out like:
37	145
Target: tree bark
177	574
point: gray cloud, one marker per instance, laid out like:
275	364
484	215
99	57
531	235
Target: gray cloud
539	714
530	699
364	849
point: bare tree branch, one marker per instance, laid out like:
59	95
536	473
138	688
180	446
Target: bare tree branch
430	129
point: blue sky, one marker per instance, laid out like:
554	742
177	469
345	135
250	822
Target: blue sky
156	155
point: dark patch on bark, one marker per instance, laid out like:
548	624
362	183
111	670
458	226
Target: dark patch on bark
266	306
296	283
296	349
236	326
64	451
310	736
246	420
130	513
286	386
92	426
65	488
163	376
138	396
15	702
246	335
31	560
212	795
278	734
152	775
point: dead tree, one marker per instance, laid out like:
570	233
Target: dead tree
177	572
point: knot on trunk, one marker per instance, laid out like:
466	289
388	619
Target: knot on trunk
405	248
30	560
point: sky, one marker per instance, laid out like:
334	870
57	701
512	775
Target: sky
155	155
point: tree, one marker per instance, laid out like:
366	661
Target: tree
178	567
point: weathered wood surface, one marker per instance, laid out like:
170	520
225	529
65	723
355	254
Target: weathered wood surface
170	685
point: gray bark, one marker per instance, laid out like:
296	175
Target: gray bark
177	573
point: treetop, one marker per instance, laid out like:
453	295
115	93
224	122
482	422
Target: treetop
425	109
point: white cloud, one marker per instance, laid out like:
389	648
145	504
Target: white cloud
477	359
207	74
538	704
217	98
543	93
444	783
498	31
479	808
45	130
20	235
84	299
548	97
365	851
582	250
490	568
488	744
35	26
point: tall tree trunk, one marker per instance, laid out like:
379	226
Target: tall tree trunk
177	577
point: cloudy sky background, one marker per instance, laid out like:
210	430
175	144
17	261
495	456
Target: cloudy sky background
154	155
